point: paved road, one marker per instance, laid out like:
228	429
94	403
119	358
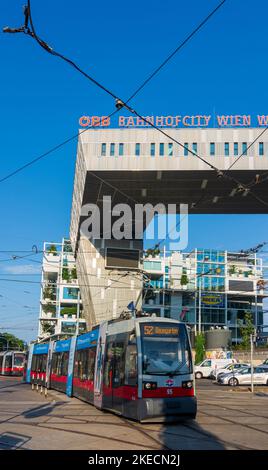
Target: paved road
226	420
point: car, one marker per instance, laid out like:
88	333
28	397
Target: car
243	377
204	368
233	367
265	363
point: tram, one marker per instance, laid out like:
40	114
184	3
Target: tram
140	368
12	362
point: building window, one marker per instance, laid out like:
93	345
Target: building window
161	149
170	149
261	149
152	150
194	147
235	148
112	150
137	149
121	150
103	150
226	149
212	148
244	148
186	147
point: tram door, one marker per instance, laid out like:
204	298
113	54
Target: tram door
114	372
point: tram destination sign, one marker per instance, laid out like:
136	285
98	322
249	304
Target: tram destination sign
177	121
160	330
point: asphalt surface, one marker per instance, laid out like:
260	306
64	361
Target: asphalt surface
226	420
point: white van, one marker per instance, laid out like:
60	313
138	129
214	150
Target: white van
205	367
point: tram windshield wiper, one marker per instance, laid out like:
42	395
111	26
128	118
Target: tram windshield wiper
171	373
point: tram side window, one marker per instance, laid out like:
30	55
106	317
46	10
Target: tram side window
119	363
91	363
131	364
8	361
108	363
43	363
1	361
76	363
54	364
33	364
83	372
65	360
81	364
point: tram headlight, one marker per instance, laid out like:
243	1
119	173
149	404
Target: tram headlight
149	385
187	384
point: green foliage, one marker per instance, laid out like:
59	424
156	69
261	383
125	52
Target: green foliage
152	252
199	347
68	311
246	329
48	328
49	308
13	342
49	292
232	269
52	249
184	280
74	273
65	274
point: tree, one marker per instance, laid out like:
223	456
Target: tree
199	348
246	329
6	339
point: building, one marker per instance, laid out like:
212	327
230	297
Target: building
139	166
60	303
206	288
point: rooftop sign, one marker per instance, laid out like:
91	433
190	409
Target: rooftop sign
178	121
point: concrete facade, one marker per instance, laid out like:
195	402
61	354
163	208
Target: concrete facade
143	166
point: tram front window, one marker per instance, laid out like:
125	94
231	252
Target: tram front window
18	360
166	350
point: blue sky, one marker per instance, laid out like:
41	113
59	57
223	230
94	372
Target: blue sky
223	68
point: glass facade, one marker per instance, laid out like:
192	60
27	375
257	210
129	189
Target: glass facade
121	150
186	146
161	150
103	150
137	150
261	150
152	149
212	148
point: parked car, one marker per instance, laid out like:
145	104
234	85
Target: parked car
243	377
265	363
234	367
204	368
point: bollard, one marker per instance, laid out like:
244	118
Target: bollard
41	389
45	392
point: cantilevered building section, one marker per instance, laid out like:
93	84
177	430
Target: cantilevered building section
143	166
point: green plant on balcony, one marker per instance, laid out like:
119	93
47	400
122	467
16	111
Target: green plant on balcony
65	274
152	252
69	311
232	270
49	293
49	308
52	249
67	247
184	279
74	273
48	328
